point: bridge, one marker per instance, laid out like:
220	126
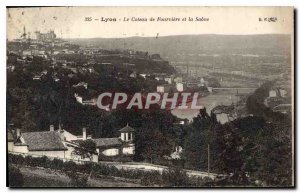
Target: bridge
234	88
237	90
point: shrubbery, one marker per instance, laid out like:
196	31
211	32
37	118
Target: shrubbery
175	177
171	177
77	180
15	177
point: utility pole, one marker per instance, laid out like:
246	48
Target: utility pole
208	159
187	68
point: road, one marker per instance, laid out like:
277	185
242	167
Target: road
160	168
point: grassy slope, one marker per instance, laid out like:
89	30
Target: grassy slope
35	177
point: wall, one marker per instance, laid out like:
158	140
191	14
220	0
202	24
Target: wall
50	154
111	152
18	148
272	93
160	89
222	118
128	150
179	87
10	146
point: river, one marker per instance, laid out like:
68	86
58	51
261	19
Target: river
221	97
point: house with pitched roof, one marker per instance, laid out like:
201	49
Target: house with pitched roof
10	140
62	144
122	145
110	147
52	144
45	143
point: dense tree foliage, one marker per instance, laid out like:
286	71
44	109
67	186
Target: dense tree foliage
15	177
199	137
86	149
250	151
35	104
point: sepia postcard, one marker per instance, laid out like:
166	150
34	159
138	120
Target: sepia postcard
150	97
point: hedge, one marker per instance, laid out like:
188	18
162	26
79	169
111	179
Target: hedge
171	177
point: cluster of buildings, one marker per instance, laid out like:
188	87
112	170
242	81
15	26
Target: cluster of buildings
128	53
278	100
176	84
44	45
62	144
225	113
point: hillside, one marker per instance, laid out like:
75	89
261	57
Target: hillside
205	44
262	56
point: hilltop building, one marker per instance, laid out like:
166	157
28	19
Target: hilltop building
49	36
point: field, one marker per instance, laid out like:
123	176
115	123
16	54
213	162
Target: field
40	177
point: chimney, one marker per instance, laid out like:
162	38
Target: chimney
84	133
51	127
18	133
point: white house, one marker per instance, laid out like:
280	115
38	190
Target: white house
164	88
122	145
169	80
277	92
84	84
62	144
45	143
133	75
178	79
53	144
282	92
272	93
180	87
144	75
26	53
79	99
222	118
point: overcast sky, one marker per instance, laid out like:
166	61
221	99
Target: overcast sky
69	22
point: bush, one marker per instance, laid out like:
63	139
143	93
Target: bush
151	178
57	164
85	168
70	166
28	161
39	161
15	177
175	177
16	159
77	180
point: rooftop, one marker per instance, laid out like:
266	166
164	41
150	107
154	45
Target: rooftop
10	136
43	141
127	128
105	142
